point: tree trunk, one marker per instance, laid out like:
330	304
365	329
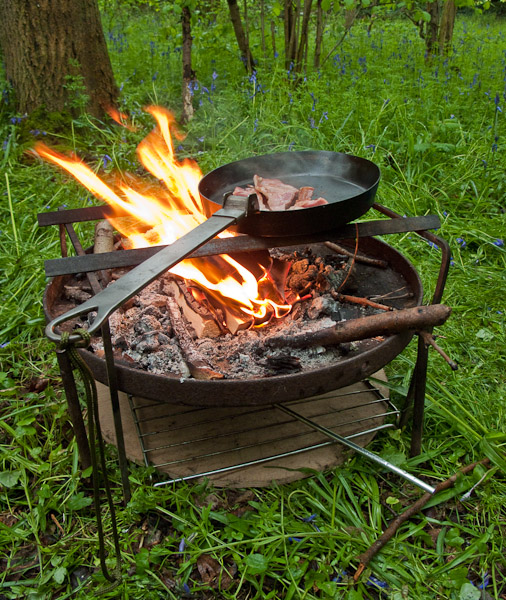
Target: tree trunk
188	73
290	20
303	35
431	34
262	27
446	26
55	55
319	34
240	36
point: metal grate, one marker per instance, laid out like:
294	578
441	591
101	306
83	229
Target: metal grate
189	443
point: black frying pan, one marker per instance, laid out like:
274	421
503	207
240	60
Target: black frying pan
348	183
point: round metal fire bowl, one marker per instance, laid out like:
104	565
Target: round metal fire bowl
269	390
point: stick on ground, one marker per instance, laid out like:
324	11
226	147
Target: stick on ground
387	535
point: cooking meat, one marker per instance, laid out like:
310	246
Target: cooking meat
274	194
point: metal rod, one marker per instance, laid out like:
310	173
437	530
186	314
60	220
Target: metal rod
249	463
367	453
240	243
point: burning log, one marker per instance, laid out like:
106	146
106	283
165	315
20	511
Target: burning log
199	318
198	366
418	318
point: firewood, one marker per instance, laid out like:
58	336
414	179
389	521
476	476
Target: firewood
199	368
104	238
416	319
199	318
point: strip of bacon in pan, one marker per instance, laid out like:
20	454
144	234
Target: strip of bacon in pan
273	194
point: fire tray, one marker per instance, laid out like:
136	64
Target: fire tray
278	390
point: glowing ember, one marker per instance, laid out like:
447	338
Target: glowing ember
165	212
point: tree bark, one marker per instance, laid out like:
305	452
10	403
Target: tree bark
319	34
303	35
431	34
56	56
188	73
446	26
240	36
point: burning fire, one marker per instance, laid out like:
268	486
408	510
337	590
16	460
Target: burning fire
163	213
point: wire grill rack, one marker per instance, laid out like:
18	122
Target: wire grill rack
253	446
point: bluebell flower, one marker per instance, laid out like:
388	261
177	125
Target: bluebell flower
294	539
374	581
498	242
201	139
291	145
214	75
186	588
106	159
309	519
372	147
485	581
182	545
255	125
462	242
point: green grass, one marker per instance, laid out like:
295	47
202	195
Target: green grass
437	131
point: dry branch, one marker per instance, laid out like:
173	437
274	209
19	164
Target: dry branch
366	557
366	260
418	318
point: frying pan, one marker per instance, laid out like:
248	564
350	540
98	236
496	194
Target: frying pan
347	182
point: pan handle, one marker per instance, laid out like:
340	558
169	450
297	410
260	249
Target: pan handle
235	208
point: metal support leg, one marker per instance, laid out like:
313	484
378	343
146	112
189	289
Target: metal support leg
420	381
116	411
75	412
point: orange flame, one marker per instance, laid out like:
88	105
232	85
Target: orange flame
168	211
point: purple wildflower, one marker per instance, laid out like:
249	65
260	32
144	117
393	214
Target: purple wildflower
498	242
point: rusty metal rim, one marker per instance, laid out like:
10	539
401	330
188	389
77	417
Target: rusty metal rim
277	389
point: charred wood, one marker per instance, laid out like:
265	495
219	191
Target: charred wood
418	318
198	366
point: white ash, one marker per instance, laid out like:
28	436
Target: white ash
141	330
144	334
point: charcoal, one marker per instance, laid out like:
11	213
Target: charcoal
146	323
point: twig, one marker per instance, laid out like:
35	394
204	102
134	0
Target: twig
375	262
55	521
428	338
366	557
360	300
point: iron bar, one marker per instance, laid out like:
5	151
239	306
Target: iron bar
240	243
367	453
